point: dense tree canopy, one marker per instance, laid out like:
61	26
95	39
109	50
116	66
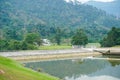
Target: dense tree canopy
58	36
18	17
33	38
31	41
79	38
112	38
3	44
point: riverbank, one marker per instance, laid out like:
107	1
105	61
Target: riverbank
54	56
31	55
49	54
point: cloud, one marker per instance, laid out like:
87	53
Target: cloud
84	1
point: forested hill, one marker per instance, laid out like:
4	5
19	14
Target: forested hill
109	7
18	17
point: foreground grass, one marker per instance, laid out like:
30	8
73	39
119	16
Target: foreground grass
11	70
55	47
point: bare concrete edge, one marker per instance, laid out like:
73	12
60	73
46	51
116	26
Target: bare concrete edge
54	56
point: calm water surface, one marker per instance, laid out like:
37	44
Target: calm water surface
80	69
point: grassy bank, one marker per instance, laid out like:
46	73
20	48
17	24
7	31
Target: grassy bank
55	47
89	45
58	47
118	46
11	70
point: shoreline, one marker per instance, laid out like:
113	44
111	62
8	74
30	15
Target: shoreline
55	56
42	55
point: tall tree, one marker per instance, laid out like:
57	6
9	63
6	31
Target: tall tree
33	38
3	44
80	38
58	36
112	39
14	45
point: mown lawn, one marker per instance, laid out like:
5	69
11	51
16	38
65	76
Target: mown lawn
12	70
118	46
93	45
55	47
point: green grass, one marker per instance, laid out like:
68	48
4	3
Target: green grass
12	70
93	45
118	46
55	47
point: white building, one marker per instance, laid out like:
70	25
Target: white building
46	42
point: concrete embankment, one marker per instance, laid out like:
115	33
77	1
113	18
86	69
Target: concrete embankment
49	54
108	51
58	54
54	56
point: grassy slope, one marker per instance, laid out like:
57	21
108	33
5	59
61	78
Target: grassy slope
11	70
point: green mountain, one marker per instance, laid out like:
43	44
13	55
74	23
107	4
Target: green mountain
109	7
18	17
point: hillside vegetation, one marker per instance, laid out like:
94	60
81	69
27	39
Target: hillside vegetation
111	7
112	38
11	70
18	17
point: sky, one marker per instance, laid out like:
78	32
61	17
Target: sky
84	1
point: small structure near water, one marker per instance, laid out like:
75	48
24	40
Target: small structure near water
46	42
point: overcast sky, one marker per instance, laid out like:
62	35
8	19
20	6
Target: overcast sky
84	1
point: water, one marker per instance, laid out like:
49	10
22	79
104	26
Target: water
80	69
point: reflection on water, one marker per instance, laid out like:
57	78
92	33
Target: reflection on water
104	77
80	69
114	62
